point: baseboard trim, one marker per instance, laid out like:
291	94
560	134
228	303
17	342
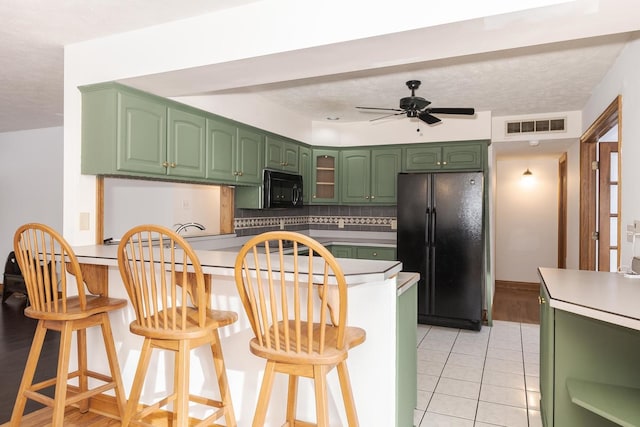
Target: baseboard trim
518	286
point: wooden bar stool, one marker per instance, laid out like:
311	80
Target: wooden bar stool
45	258
299	319
161	273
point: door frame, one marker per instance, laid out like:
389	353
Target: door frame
609	118
562	211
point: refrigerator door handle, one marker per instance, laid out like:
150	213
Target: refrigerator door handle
427	219
433	228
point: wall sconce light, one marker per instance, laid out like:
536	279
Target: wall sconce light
527	178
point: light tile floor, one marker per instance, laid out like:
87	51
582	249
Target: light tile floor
479	379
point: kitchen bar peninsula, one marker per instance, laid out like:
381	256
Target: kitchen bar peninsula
373	287
589	348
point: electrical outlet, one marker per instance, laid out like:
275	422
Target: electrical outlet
282	224
394	224
185	204
340	223
84	221
636	226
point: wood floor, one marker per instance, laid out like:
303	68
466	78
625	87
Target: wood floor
513	302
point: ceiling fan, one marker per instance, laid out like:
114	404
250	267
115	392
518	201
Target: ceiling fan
415	106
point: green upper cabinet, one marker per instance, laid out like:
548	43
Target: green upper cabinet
324	189
281	154
127	132
304	164
142	137
250	156
385	166
369	176
355	176
186	145
234	153
447	156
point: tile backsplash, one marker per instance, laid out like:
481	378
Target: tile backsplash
354	218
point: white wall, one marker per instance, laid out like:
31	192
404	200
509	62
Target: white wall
31	179
130	202
623	79
526	218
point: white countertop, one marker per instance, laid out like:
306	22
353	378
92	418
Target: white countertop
221	262
609	297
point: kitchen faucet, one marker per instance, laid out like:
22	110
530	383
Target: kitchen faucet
182	227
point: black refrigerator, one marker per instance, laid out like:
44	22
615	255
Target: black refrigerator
441	235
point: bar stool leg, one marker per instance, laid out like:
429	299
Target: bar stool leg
62	375
292	399
83	380
138	382
265	394
223	383
320	382
347	394
114	366
29	372
181	404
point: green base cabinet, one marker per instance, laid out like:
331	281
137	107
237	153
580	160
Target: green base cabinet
406	356
363	252
589	370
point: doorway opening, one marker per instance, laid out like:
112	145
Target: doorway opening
600	190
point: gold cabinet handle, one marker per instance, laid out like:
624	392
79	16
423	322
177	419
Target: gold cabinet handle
375	254
541	300
239	173
235	173
173	164
165	164
366	197
437	163
373	197
444	163
314	196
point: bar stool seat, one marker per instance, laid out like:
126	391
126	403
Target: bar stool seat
51	272
171	299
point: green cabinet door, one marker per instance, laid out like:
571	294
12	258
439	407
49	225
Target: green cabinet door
355	176
546	358
324	189
250	160
142	135
468	156
304	164
221	151
281	154
385	166
422	158
186	148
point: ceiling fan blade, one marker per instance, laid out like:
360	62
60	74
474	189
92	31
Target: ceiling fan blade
464	111
384	117
375	108
428	118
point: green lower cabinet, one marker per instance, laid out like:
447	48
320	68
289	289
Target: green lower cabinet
406	356
363	252
340	251
589	371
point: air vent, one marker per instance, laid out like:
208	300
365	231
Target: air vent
536	126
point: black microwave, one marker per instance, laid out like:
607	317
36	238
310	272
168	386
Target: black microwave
282	190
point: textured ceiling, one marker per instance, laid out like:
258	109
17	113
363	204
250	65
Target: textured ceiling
545	78
32	36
